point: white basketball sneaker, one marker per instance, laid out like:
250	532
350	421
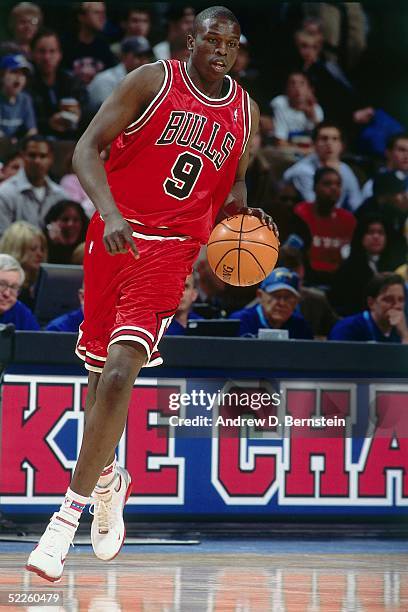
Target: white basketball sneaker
48	557
108	529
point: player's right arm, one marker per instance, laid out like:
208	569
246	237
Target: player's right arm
124	105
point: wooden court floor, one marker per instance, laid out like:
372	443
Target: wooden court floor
210	578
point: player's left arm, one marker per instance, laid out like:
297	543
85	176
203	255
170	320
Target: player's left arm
237	197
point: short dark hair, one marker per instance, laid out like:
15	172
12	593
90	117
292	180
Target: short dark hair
60	207
214	12
290	257
136	8
45	33
36	138
381	281
392	140
321	172
326	124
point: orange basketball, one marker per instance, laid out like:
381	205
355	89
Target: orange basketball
242	250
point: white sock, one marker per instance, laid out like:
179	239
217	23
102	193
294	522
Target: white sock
71	509
107	479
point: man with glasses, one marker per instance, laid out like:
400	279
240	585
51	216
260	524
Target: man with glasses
11	309
278	297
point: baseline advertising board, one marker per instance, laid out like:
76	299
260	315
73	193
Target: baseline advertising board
198	447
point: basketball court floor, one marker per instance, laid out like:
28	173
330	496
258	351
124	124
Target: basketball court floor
221	575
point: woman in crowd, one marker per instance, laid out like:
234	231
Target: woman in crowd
66	225
28	245
369	255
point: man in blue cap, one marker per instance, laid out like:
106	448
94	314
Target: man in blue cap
17	117
278	297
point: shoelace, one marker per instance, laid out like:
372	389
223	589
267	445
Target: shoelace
102	511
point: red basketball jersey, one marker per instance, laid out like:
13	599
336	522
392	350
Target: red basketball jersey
174	166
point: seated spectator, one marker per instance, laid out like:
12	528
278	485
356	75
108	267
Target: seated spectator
331	228
24	22
313	304
58	96
135	52
258	176
278	298
370	254
180	23
29	194
136	22
27	244
11	309
184	311
17	117
328	144
375	128
70	321
292	229
87	51
10	165
384	320
396	155
390	199
296	113
65	228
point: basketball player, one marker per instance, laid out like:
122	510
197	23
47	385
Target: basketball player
179	136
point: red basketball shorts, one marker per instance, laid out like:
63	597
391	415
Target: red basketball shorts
131	299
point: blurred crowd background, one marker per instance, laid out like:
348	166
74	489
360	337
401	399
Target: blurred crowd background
330	161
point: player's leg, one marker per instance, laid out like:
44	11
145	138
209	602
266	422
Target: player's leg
103	429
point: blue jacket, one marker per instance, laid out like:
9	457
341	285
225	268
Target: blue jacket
68	322
361	328
21	317
176	329
252	319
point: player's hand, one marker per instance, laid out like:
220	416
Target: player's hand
117	236
262	216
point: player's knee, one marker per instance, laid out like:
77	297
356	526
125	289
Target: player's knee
116	381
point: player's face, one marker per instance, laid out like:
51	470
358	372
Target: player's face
278	306
390	299
374	239
10	284
214	48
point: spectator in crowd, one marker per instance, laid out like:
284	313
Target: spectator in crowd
88	52
390	199
11	309
74	190
370	253
296	113
17	117
135	52
29	194
258	177
136	22
396	155
384	320
180	23
70	321
28	245
245	73
292	229
10	165
328	142
65	227
313	304
331	228
24	22
278	298
58	96
184	311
